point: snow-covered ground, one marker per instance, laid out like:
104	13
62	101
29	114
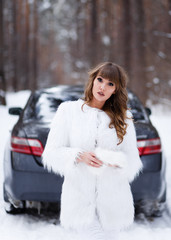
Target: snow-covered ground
35	227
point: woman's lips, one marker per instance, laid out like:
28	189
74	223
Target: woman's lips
101	94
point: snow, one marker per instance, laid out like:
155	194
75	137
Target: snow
34	226
162	54
162	34
59	6
156	80
150	68
106	40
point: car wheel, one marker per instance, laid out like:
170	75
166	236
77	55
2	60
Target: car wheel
18	207
159	211
161	206
163	198
151	208
10	209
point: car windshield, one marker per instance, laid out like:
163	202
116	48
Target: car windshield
43	106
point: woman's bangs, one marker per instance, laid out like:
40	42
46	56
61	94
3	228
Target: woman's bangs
108	73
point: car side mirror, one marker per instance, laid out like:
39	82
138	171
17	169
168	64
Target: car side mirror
15	111
148	111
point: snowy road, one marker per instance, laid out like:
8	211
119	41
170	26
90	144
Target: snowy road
35	227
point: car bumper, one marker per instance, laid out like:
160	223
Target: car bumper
26	180
31	186
47	187
150	185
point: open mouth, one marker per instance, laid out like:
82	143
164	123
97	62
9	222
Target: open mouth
101	93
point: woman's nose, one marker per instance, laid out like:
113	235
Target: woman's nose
102	86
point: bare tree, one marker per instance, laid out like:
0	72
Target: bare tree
35	46
2	75
50	42
15	43
94	32
138	49
27	43
126	34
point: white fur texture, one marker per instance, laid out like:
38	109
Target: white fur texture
116	159
86	193
111	157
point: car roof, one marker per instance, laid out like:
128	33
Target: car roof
62	88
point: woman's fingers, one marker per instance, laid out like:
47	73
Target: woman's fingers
94	164
92	154
114	165
90	159
96	160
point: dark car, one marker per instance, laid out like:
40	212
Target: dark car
27	183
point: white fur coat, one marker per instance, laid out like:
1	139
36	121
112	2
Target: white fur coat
88	191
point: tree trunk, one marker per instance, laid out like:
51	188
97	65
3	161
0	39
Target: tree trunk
27	44
2	75
15	46
124	33
35	55
139	80
93	34
127	35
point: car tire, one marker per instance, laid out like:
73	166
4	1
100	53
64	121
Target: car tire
152	208
161	206
163	198
10	209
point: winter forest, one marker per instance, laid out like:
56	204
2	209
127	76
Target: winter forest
49	42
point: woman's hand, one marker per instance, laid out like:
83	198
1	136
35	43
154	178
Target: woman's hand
113	165
90	159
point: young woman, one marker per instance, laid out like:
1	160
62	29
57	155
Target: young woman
92	143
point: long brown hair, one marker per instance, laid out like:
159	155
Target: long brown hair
116	105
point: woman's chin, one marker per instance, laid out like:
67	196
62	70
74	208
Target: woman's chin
100	98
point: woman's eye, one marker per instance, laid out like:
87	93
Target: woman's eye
99	79
111	84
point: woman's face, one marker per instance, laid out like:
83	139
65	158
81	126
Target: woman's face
102	89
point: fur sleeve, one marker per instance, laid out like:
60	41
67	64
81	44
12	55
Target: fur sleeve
129	148
58	156
126	155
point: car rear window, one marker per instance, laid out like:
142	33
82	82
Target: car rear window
42	106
